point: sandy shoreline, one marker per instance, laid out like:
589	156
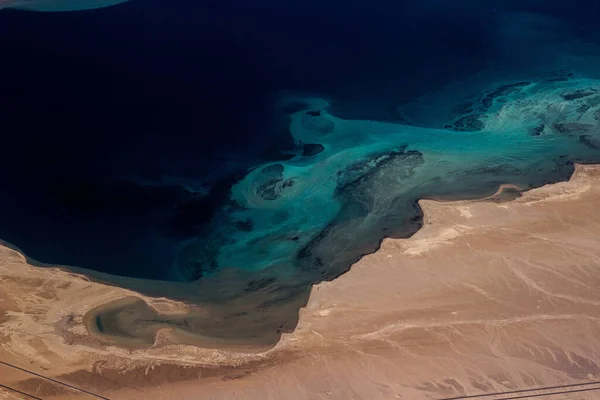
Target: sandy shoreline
489	296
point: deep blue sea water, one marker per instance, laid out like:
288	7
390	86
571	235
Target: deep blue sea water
259	147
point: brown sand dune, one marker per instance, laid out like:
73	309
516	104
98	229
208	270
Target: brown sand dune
490	296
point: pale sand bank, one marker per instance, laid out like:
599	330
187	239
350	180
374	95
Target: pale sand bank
490	296
57	5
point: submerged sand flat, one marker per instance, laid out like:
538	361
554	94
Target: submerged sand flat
490	296
58	5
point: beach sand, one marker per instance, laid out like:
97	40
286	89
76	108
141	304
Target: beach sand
489	296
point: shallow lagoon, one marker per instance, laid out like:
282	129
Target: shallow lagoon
235	198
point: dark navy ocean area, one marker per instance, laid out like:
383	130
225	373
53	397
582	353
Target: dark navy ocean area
233	153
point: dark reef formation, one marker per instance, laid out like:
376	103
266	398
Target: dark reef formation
312	149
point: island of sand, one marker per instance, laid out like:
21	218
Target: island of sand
493	296
57	5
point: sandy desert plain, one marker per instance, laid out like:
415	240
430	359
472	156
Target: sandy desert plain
491	299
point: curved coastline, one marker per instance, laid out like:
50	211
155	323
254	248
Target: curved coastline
364	187
137	320
505	193
455	284
419	220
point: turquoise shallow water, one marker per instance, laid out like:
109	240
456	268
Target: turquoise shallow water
290	224
313	215
187	184
351	183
